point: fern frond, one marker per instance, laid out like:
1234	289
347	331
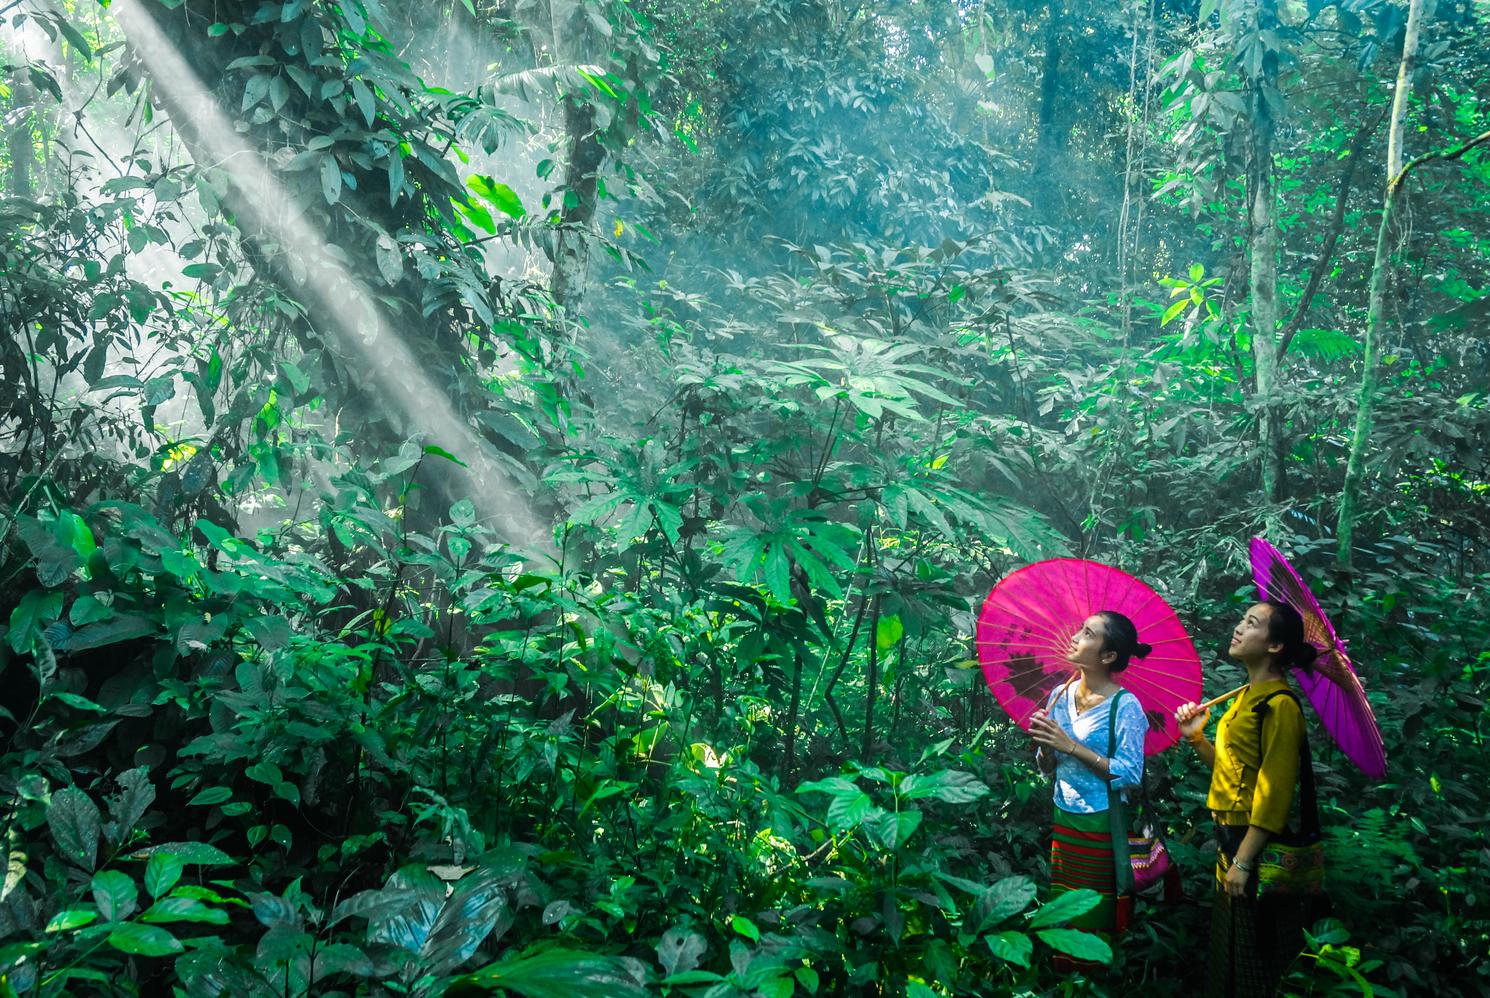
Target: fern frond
1326	344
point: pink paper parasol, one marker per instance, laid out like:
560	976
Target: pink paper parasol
1027	623
1332	688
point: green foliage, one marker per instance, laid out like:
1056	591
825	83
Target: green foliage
291	708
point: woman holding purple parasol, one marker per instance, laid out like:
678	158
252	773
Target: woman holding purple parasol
1254	769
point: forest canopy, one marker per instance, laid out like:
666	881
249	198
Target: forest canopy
495	494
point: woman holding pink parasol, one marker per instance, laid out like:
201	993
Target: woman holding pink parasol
1090	736
1035	625
1254	768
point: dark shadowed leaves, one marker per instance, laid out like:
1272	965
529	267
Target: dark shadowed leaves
467	917
136	794
75	824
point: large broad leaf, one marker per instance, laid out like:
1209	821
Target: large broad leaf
161	873
1074	942
680	950
498	195
72	918
136	794
949	785
144	940
849	805
271	632
341	958
1012	947
1004	899
409	925
31	616
373	905
74	821
888	631
834	785
57	556
183	909
556	973
1066	907
330	179
190	853
115	894
466	919
110	632
848	809
273	911
891	829
389	258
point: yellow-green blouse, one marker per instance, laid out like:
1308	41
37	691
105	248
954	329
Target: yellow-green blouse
1247	787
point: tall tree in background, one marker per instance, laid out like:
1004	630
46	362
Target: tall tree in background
1376	303
1258	57
1387	241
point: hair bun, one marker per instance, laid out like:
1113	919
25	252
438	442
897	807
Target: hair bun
1142	650
1304	657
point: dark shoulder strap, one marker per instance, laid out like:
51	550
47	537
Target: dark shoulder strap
1308	802
1112	742
1112	722
1266	703
1117	815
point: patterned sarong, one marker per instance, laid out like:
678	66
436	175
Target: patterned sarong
1253	940
1081	857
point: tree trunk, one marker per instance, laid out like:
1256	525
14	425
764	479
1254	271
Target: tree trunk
793	713
581	188
1262	239
20	144
1355	469
1326	257
872	680
1050	135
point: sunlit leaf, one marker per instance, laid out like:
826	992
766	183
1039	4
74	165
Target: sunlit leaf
556	973
1065	907
144	940
1077	943
1012	947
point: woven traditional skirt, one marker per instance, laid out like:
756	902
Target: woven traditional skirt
1081	856
1253	940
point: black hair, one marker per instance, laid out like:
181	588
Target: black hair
1286	628
1121	637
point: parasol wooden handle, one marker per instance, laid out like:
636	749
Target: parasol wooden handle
1225	696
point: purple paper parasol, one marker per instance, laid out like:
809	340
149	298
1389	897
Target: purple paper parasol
1027	623
1332	687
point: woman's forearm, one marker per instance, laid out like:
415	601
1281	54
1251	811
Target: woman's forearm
1092	759
1251	847
1203	748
